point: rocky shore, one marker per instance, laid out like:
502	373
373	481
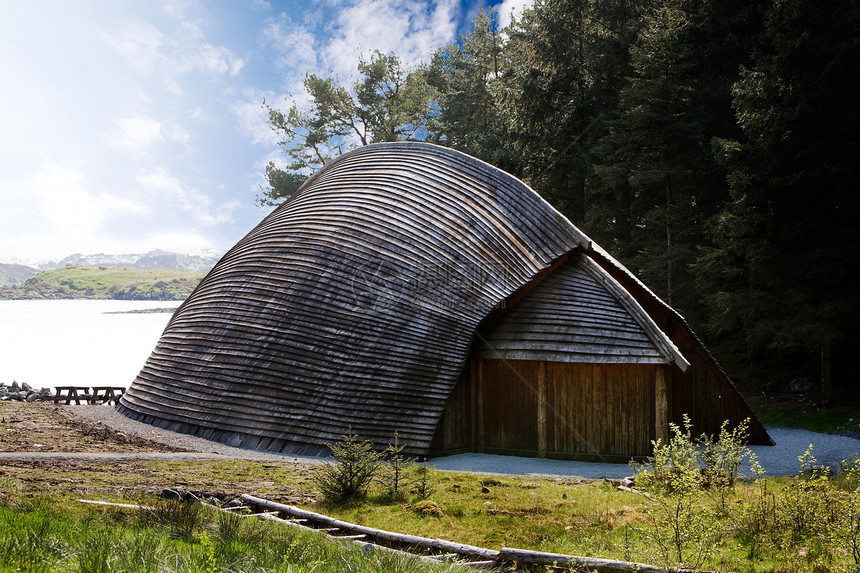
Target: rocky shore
24	393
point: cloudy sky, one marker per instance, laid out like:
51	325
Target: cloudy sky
131	125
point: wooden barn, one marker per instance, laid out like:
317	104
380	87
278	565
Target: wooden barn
410	288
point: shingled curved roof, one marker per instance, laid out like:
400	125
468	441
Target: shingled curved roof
354	304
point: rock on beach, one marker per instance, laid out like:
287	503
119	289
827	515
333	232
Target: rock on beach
24	393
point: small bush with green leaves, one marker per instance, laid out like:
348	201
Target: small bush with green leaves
715	462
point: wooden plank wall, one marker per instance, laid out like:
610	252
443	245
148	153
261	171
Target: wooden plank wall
706	394
569	317
596	412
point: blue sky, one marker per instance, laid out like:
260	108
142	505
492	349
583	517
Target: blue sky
127	126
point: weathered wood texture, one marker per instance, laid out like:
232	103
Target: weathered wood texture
571	316
598	412
353	304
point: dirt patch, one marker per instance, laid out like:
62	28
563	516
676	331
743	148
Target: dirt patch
40	427
95	451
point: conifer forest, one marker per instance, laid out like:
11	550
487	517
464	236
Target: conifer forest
710	145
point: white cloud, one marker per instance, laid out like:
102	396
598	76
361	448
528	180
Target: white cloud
508	7
405	28
294	45
173	55
260	6
252	117
64	200
171	194
55	212
139	42
207	58
176	241
135	133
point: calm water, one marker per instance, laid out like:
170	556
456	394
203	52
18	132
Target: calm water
62	342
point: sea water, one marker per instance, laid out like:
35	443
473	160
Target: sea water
50	343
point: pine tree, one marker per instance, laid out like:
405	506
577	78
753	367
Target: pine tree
659	145
463	76
783	274
387	103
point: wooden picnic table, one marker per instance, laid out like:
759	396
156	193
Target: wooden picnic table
68	393
98	395
106	394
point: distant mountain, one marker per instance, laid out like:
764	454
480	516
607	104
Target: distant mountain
158	259
12	274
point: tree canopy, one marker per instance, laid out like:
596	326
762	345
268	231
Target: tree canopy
386	103
710	145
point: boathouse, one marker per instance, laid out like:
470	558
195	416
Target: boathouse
411	288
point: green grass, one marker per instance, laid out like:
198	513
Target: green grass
754	527
60	535
106	283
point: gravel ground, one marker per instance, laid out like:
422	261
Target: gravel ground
780	459
113	419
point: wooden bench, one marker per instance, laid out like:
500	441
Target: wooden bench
66	394
106	394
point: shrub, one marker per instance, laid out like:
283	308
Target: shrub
394	478
723	458
356	464
422	488
670	463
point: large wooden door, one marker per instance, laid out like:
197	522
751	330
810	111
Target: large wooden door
602	412
507	399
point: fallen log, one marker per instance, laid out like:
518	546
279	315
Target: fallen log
365	546
112	504
435	544
589	563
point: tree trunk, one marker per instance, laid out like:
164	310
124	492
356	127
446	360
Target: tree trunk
826	374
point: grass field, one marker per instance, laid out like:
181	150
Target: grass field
51	533
801	524
106	283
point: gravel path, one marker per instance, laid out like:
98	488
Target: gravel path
108	416
780	459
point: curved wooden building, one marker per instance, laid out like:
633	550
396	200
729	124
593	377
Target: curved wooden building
408	287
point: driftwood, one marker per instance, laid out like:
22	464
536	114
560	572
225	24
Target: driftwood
365	546
588	563
488	557
436	544
631	490
112	504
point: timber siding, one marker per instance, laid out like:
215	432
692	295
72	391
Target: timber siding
356	303
574	315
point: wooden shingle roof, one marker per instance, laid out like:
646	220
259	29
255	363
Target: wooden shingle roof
579	314
352	305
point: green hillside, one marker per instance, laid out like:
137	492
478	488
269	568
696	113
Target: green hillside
11	274
106	283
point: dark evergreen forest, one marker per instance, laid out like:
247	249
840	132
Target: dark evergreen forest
710	145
